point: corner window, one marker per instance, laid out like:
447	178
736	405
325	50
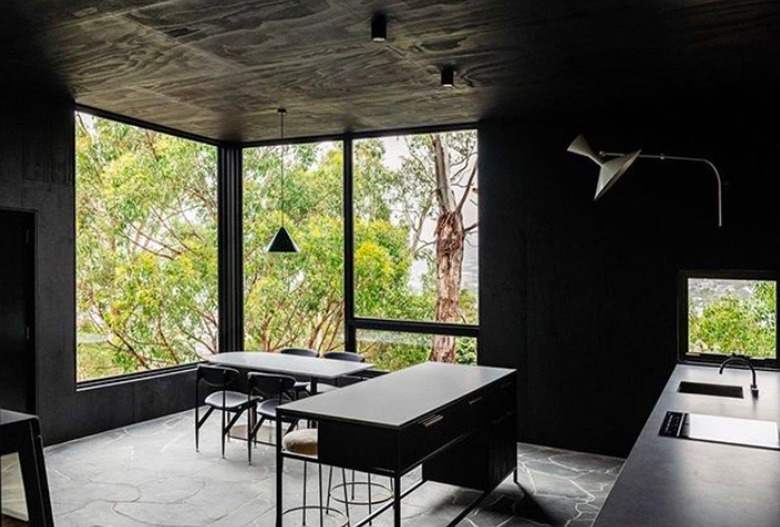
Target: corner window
294	299
729	313
146	249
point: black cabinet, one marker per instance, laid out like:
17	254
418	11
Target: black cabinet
486	454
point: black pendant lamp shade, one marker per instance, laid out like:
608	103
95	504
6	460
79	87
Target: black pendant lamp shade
282	242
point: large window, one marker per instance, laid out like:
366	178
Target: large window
416	239
416	247
294	299
146	249
389	350
730	313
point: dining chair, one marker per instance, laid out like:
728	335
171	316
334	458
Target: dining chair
300	386
323	387
228	402
273	390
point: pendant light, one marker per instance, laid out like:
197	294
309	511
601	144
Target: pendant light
282	242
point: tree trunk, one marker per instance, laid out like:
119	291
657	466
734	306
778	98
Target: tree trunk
450	243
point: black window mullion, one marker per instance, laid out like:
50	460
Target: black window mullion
230	258
350	338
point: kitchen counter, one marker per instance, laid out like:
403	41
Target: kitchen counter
669	482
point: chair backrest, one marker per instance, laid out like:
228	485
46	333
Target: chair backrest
301	352
345	355
270	386
217	376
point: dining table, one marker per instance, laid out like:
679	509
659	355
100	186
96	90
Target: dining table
315	369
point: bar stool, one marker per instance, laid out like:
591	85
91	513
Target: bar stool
304	443
370	485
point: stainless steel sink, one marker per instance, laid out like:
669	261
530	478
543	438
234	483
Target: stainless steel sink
717	390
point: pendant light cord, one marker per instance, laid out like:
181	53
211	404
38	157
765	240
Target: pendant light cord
281	199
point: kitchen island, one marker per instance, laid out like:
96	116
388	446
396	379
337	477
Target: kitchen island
670	482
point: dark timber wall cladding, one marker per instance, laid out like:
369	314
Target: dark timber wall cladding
37	174
581	296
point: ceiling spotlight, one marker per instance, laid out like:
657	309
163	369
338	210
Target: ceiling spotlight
448	76
379	28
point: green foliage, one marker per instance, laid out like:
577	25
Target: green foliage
147	248
736	325
393	351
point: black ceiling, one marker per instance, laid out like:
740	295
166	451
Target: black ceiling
220	68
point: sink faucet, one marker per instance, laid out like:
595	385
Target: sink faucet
743	360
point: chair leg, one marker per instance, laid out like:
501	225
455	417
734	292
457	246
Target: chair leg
305	481
346	498
249	437
199	423
330	486
370	505
223	434
353	485
319	476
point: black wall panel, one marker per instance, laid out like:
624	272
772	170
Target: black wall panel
581	296
37	174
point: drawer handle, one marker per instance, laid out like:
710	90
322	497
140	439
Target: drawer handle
476	400
430	421
500	419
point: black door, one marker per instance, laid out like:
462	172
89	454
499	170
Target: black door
17	275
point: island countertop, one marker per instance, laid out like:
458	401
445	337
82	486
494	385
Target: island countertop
670	482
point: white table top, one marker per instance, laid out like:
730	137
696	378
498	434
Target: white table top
290	364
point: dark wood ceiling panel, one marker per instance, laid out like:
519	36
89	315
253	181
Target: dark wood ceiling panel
220	69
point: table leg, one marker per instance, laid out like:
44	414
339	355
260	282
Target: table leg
313	385
397	501
279	472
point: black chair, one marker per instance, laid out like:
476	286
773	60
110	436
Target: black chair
348	379
227	401
300	386
274	390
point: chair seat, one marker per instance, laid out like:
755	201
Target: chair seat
267	408
301	386
233	400
302	442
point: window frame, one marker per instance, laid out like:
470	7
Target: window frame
353	323
123	378
714	359
230	239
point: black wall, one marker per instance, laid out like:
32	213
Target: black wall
581	296
36	174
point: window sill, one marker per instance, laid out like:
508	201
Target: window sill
716	360
118	380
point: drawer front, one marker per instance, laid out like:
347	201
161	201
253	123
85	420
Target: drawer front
501	398
434	431
359	447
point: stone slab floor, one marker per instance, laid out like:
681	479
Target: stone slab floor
149	474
